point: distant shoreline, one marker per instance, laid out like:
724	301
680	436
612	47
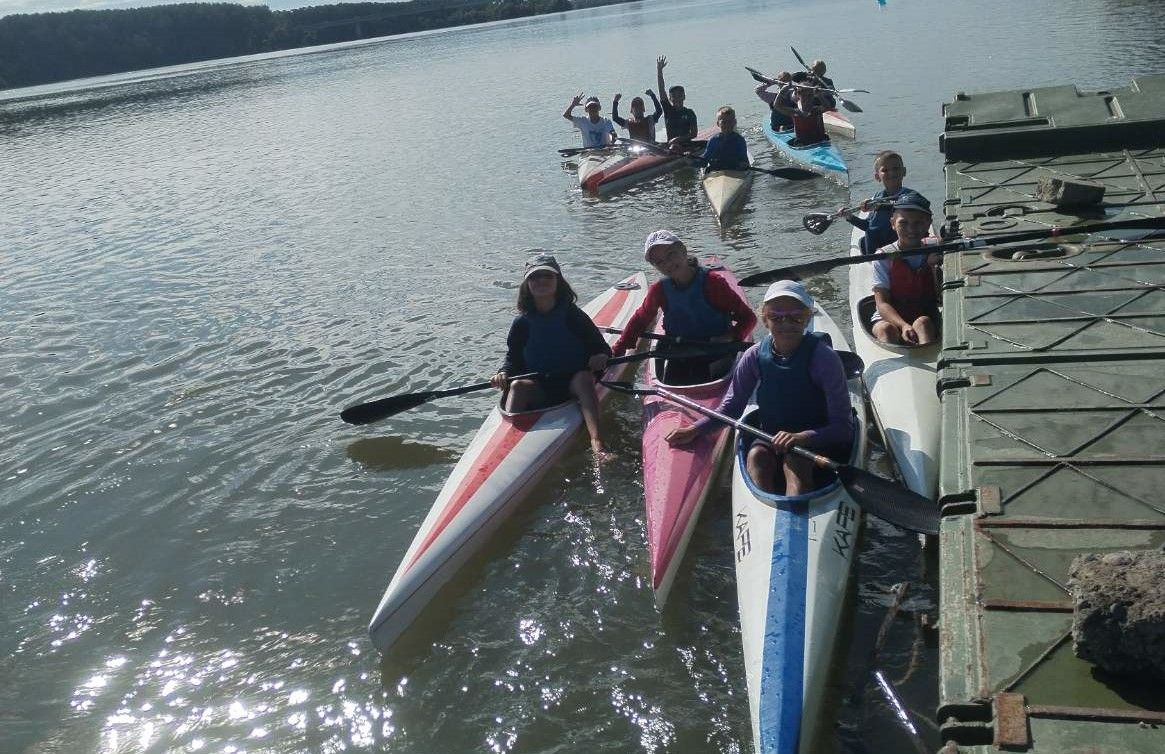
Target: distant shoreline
46	48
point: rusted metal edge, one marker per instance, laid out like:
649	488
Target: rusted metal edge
1039	606
1011	728
1067	523
1096	714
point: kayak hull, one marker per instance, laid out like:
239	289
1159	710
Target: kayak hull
507	456
644	164
593	165
677	480
838	124
822	158
793	560
902	386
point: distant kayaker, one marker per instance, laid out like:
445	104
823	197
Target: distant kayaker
808	105
889	170
779	119
726	150
904	287
640	126
596	130
679	121
800	390
551	334
817	76
697	303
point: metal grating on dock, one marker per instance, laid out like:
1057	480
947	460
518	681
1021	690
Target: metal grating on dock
1052	379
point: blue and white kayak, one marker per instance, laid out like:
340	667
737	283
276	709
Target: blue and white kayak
793	558
822	158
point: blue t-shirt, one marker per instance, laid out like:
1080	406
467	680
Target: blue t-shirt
727	151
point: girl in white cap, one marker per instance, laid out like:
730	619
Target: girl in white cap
552	335
697	304
800	392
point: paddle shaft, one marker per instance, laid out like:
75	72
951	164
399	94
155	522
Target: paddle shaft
950	247
822	461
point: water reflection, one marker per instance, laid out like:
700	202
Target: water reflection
391	452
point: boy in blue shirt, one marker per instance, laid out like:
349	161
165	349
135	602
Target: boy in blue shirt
726	150
889	170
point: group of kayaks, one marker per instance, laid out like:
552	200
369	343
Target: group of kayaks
606	170
793	555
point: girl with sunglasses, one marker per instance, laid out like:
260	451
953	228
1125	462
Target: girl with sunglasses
800	390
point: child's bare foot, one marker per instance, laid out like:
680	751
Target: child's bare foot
601	453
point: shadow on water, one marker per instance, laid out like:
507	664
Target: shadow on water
387	453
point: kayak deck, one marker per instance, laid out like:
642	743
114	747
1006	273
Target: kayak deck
793	560
823	158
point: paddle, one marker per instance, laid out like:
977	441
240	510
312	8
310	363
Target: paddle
817	222
950	247
669	338
848	105
791	174
878	496
572	151
366	413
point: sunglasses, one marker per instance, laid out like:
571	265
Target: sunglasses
797	318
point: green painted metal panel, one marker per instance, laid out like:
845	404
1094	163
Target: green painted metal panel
1052	377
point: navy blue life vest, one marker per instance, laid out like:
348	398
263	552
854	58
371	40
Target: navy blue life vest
688	313
787	398
550	345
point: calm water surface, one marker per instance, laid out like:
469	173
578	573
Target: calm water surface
201	267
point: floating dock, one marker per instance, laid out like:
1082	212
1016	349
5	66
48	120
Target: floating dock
1052	379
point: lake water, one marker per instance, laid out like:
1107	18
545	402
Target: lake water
200	268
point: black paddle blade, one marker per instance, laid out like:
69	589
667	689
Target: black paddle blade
848	105
366	413
817	222
788	273
790	174
890	501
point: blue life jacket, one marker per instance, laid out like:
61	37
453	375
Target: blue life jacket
788	400
688	313
550	345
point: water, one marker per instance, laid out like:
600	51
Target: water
200	268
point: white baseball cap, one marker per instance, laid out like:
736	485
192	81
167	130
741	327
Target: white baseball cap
789	289
658	238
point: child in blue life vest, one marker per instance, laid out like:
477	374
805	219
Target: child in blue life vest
726	150
552	335
889	170
596	130
801	395
905	291
697	304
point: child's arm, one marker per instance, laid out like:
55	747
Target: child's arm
725	298
658	108
640	320
827	373
615	111
515	342
570	108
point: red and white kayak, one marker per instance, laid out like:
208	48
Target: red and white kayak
677	480
506	457
838	124
644	163
593	163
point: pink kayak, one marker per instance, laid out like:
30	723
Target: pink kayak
677	480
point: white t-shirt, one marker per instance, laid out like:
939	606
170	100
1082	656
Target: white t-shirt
593	134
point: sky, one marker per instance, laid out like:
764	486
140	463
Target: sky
8	7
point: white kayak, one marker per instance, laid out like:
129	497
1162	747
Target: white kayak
838	123
902	386
793	558
506	457
726	189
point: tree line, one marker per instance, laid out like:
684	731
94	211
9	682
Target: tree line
40	48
